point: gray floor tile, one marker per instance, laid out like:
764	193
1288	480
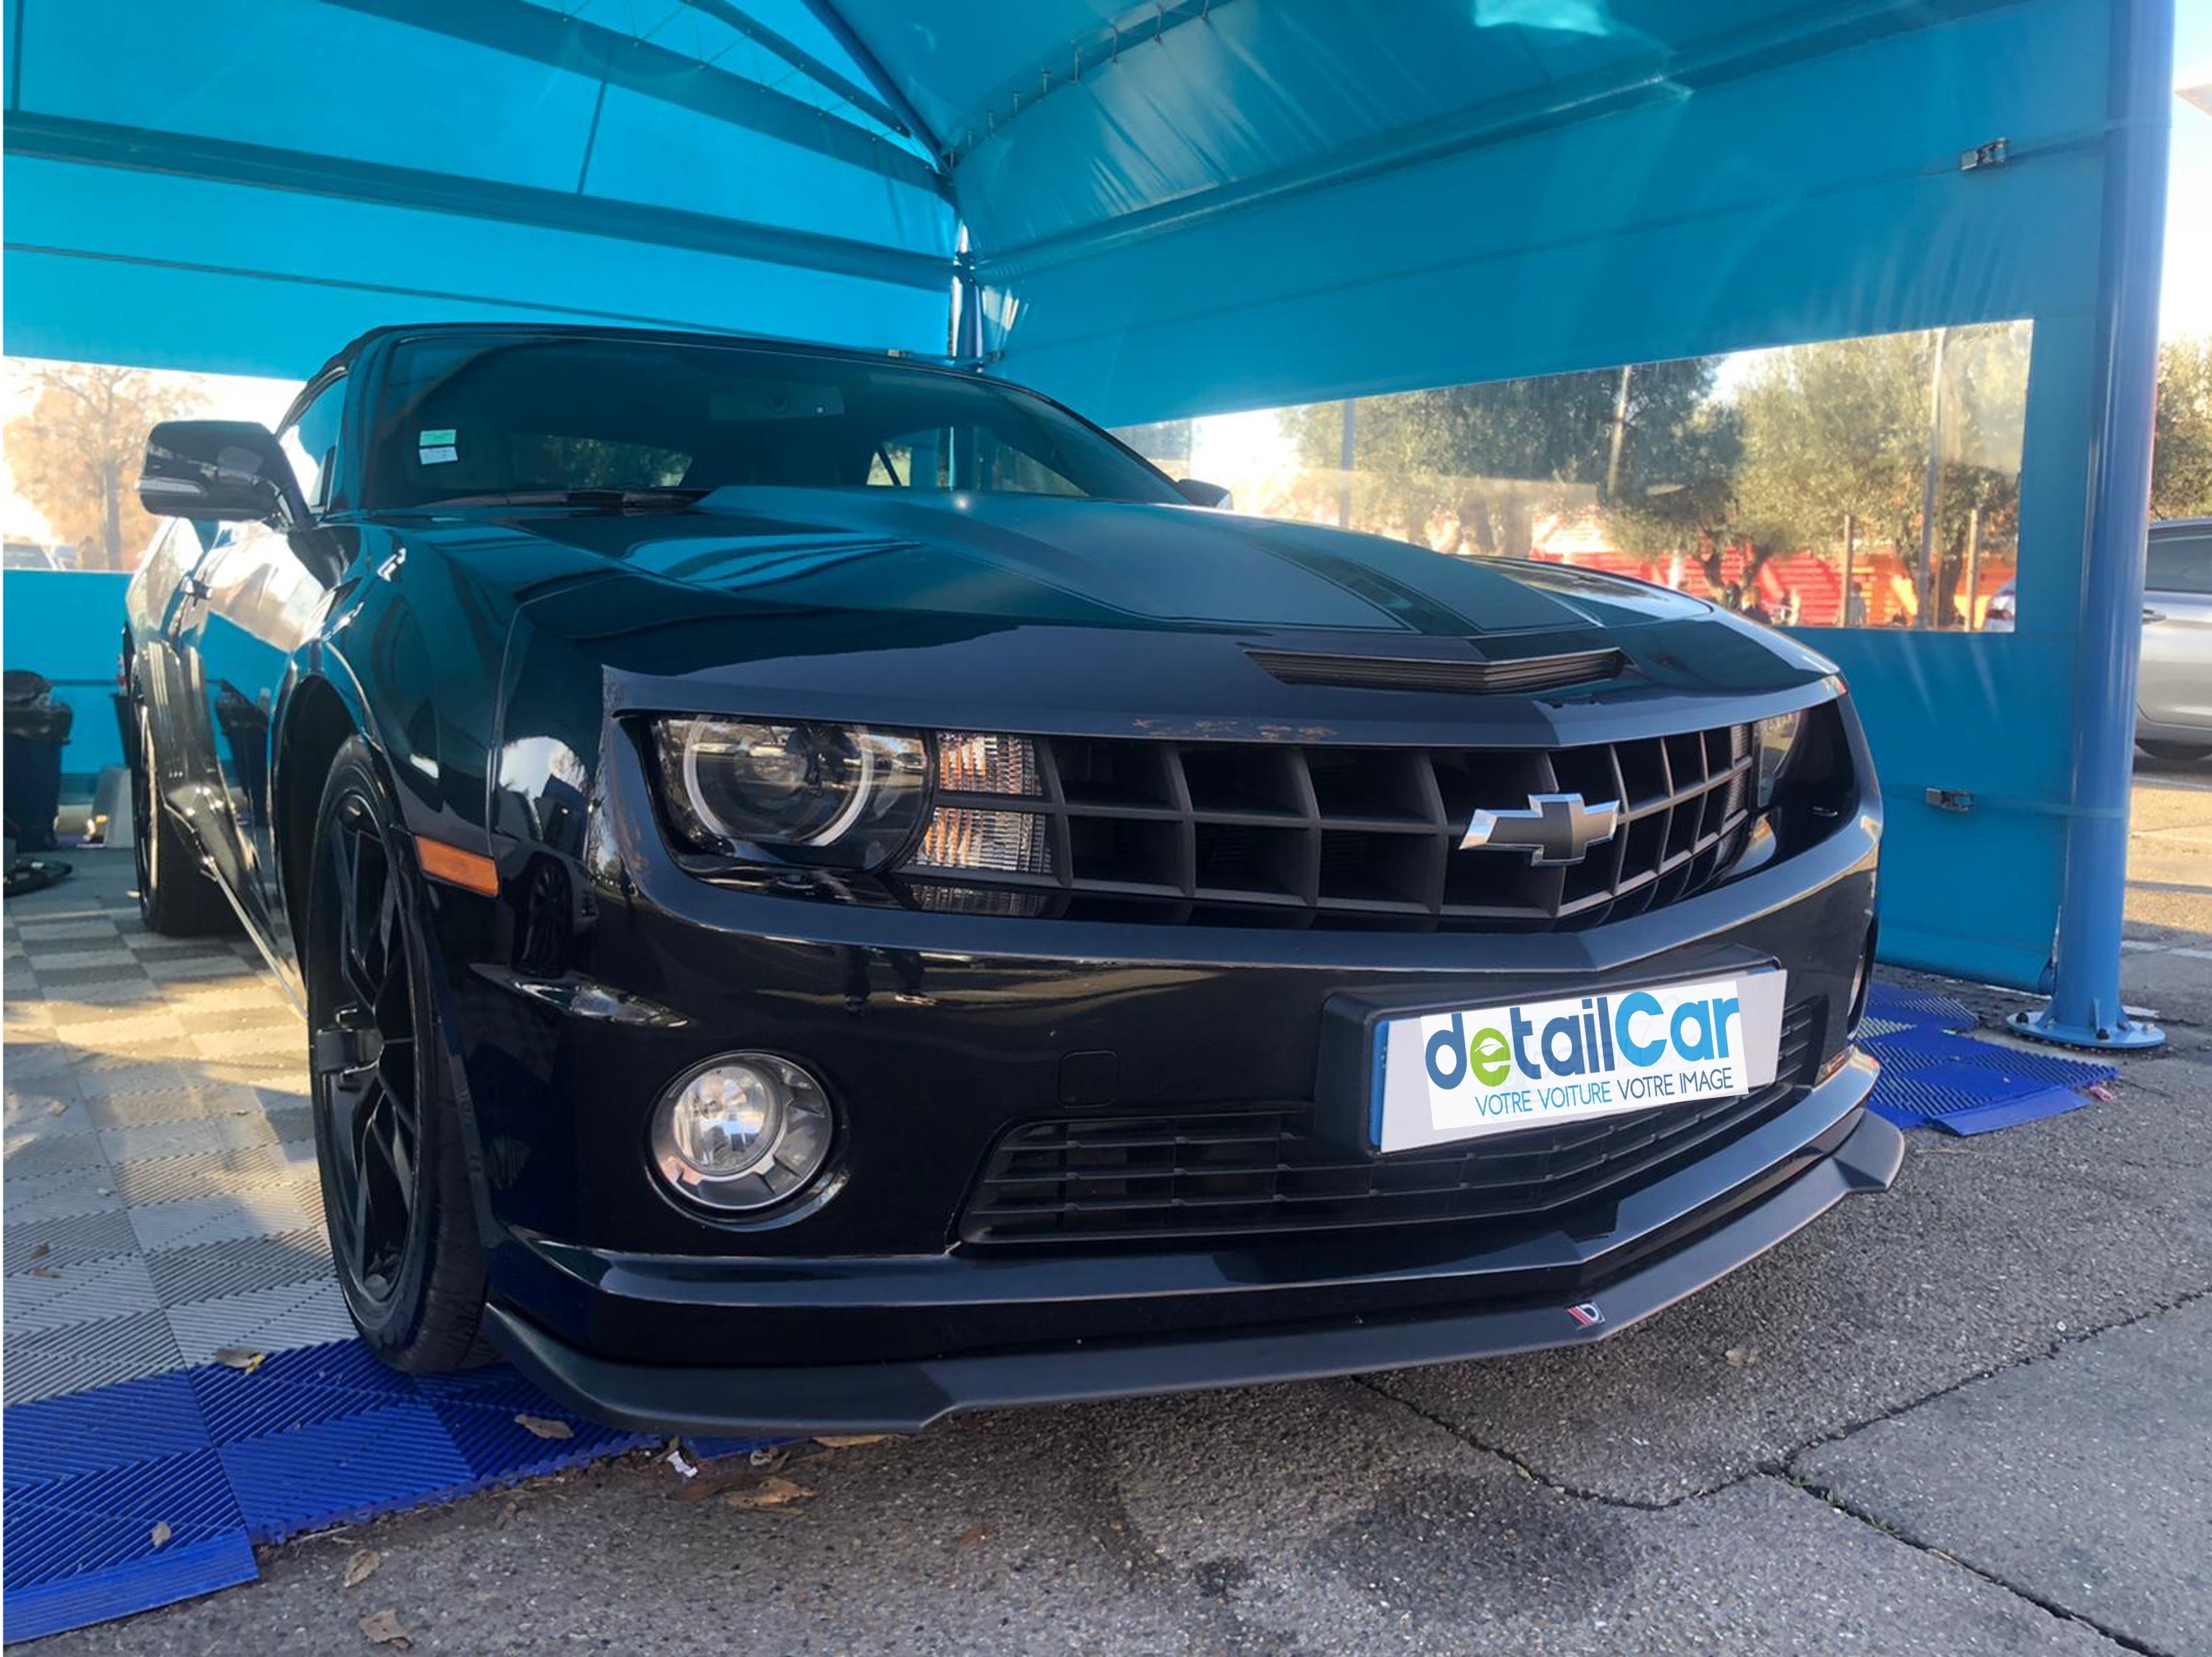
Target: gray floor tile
72	1359
215	1219
266	1320
86	1292
56	1196
191	1139
210	1174
63	932
107	1075
35	1119
239	1266
34	1157
191	1104
67	1241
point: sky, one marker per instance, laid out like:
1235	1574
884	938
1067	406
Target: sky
2185	301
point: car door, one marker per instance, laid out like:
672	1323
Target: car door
262	600
165	605
2175	694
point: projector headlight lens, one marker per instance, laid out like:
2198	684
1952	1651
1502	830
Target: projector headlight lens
842	795
1776	739
741	1131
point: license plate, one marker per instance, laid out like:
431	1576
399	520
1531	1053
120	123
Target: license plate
1475	1071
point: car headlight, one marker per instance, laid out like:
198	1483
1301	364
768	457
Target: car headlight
837	794
1775	739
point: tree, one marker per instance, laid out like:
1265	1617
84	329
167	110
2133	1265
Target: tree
1842	429
1475	465
75	455
2181	464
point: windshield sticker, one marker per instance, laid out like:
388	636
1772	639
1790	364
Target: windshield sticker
439	457
436	448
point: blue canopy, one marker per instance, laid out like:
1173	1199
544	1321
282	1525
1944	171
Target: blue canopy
1181	207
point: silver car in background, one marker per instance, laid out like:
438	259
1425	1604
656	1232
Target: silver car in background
2173	704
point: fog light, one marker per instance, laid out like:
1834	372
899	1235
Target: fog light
741	1131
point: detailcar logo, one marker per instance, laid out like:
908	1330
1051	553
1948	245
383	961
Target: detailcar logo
1556	828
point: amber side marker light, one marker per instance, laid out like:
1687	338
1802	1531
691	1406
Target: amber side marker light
471	871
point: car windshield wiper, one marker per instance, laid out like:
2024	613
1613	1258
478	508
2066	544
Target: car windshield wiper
645	496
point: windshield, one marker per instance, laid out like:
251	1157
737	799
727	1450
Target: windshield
460	418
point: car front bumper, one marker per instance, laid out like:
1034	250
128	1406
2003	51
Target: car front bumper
1547	1287
861	1306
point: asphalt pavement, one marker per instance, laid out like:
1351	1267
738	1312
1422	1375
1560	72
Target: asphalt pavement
1970	1416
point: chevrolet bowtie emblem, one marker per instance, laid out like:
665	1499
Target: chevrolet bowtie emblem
1555	829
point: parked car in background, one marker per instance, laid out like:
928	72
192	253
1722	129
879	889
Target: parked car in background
2002	610
827	891
2173	701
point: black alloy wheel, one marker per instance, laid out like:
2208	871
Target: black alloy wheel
395	1188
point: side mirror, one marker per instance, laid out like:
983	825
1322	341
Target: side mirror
1203	494
223	470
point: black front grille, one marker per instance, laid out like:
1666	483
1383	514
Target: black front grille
1525	675
1259	1169
1286	833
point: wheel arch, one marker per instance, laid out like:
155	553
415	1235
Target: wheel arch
318	721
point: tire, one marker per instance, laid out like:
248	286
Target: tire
387	1125
177	896
2175	752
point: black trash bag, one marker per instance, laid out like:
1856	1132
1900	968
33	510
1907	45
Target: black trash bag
36	728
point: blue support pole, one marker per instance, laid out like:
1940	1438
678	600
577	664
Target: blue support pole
2085	1009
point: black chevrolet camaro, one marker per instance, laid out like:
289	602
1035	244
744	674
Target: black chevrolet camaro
827	891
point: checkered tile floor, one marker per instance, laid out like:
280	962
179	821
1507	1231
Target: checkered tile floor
161	1198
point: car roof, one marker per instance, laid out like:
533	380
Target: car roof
354	348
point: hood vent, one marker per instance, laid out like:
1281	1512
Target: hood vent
1525	675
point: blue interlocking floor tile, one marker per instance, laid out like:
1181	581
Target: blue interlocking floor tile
498	1449
1894	1004
57	1438
378	1460
1932	1050
1933	1078
179	1571
495	1383
180	1491
1962	1099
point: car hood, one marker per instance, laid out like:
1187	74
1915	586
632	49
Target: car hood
1066	605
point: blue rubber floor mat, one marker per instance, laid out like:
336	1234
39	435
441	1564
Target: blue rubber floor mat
1933	1078
1894	1005
129	1496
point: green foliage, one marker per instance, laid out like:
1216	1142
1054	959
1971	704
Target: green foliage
2181	465
1483	462
1808	438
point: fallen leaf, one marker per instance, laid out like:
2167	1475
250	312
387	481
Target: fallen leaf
544	1427
771	1492
243	1359
506	1514
382	1627
39	1251
161	1532
42	1271
974	1534
362	1566
849	1441
1742	1357
59	1107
